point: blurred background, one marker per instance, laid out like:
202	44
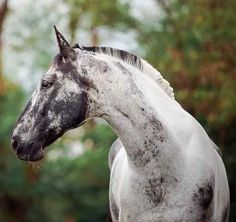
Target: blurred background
192	43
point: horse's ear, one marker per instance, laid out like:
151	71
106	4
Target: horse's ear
66	50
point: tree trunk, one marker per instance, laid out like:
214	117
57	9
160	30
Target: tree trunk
3	13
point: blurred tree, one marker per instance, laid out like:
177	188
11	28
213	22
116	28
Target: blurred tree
11	206
113	14
30	42
3	12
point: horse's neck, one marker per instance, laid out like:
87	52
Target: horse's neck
143	128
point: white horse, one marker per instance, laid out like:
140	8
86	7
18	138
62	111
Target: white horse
164	167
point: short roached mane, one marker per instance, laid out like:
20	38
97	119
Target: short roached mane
117	53
134	61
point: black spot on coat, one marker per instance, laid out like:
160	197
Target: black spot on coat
114	210
203	199
203	196
154	189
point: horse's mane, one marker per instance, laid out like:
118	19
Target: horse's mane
135	61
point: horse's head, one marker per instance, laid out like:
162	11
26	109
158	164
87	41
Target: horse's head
58	104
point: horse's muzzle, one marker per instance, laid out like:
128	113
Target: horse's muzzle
26	151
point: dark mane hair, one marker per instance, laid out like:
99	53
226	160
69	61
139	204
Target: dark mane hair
117	53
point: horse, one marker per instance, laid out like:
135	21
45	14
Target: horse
163	166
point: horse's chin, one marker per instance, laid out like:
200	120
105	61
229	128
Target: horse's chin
36	157
33	156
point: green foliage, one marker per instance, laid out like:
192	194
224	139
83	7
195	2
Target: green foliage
113	14
77	187
10	105
102	135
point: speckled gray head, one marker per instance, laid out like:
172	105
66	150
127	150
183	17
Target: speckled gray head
58	104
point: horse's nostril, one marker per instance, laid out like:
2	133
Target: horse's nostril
20	152
14	143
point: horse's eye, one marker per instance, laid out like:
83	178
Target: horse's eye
45	84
